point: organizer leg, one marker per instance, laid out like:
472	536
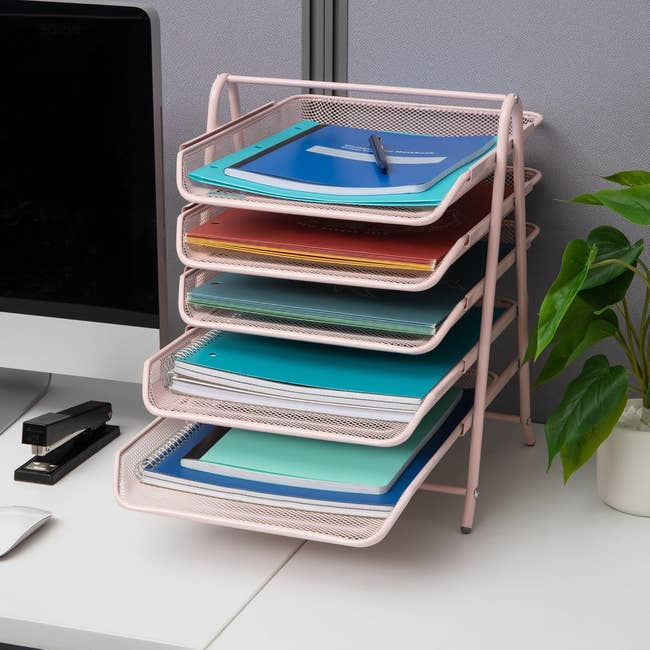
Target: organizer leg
522	271
524	408
483	360
472	480
480	399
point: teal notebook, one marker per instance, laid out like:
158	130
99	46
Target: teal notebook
295	364
316	464
215	173
330	304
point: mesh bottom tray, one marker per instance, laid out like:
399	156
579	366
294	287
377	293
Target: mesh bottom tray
161	401
428	119
234	321
213	260
347	530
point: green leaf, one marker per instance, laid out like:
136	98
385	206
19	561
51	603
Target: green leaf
576	261
589	199
576	341
630	178
587	405
633	203
608	294
575	454
577	315
611	244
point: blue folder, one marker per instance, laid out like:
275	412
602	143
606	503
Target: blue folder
216	173
170	465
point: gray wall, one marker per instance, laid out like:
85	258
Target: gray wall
199	40
582	64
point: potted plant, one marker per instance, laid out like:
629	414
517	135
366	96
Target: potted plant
587	303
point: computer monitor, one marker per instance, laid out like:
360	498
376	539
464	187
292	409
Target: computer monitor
82	286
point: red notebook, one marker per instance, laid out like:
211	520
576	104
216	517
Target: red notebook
336	241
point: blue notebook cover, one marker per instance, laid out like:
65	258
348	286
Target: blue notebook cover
338	160
332	367
170	465
216	172
395	311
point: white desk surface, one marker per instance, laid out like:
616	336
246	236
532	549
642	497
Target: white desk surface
547	567
99	577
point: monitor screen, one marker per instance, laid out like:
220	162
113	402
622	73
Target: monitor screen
78	181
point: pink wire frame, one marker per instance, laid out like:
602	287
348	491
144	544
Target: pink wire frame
509	137
511	116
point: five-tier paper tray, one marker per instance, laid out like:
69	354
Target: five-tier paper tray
420	111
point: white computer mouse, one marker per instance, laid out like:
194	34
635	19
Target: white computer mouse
18	523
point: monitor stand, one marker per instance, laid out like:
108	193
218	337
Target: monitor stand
19	391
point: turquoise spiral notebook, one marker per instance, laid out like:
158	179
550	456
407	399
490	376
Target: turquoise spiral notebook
279	367
220	172
318	464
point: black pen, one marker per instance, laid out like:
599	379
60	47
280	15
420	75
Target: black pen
379	153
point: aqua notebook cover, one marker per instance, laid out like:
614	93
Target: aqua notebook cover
321	464
217	173
333	367
168	465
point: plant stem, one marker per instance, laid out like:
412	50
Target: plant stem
630	371
634	371
636	339
621	339
629	267
632	338
631	332
644	345
643	334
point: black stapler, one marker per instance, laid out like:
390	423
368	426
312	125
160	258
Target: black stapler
62	441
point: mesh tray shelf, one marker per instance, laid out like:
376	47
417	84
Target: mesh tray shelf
347	530
213	260
428	119
235	321
160	400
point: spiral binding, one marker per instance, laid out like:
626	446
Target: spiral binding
196	345
168	447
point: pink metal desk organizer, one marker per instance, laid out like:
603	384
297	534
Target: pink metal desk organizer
481	113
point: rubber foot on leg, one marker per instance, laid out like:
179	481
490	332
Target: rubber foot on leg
465	530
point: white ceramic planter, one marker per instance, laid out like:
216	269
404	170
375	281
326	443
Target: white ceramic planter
623	470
